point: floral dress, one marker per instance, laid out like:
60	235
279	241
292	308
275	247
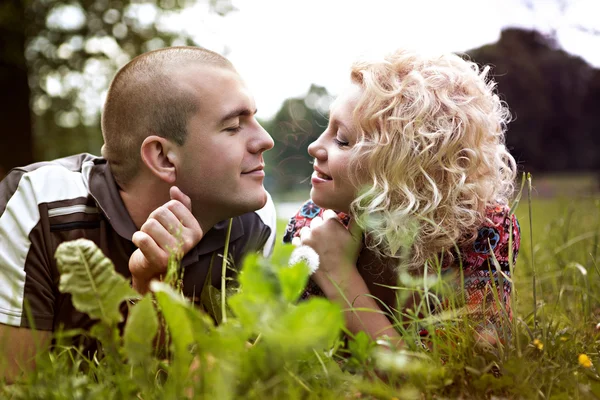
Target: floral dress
479	269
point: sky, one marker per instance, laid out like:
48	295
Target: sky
281	47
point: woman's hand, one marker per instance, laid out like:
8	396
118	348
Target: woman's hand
338	250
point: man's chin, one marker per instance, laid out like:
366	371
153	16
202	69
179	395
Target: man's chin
254	203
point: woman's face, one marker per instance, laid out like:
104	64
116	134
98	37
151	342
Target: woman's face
331	187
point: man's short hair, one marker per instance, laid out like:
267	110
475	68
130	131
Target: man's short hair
145	98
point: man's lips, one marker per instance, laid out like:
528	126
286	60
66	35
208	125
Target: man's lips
259	170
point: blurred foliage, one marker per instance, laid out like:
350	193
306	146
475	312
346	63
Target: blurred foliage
298	123
73	49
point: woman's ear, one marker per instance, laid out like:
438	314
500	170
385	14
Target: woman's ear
160	157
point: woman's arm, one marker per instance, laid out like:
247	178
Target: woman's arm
340	280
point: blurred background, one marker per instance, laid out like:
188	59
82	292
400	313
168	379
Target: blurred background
58	57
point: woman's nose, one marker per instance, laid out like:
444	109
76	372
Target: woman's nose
316	150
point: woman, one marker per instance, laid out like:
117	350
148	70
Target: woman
414	157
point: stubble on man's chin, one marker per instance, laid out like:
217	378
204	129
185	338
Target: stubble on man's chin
222	209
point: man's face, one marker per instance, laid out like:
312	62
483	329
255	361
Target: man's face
222	158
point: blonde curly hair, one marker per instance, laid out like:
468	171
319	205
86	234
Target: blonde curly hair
431	141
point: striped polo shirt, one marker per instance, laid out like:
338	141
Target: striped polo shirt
47	203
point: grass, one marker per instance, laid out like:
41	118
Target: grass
552	353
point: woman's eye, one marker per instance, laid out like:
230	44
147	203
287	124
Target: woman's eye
340	142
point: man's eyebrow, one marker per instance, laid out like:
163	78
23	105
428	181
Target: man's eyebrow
239	112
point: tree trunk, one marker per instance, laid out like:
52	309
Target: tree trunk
16	141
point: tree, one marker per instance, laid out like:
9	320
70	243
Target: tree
298	123
16	138
72	49
547	91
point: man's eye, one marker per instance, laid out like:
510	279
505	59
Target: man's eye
234	129
340	143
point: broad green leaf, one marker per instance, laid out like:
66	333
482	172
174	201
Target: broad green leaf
259	278
175	312
293	280
140	331
90	277
314	324
252	311
259	299
281	254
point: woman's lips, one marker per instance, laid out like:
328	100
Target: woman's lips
318	177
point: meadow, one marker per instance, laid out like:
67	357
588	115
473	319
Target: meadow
270	346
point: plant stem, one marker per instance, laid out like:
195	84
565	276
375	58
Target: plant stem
535	324
224	272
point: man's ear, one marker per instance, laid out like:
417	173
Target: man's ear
160	156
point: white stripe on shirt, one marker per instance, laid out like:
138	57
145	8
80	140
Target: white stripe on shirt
46	184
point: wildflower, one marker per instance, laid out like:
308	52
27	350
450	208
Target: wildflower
306	254
538	344
585	361
563	338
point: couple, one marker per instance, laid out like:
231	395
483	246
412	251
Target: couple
415	143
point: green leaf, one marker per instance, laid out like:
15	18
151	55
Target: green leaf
90	277
258	278
360	347
259	300
314	324
293	280
175	312
140	331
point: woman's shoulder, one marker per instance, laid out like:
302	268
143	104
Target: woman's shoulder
303	217
498	232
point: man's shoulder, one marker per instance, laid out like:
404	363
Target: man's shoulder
47	181
71	163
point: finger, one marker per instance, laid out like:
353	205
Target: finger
183	214
304	233
330	214
168	219
316	222
159	234
150	249
177	194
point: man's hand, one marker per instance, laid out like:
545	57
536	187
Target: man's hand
171	228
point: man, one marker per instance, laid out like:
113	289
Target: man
182	154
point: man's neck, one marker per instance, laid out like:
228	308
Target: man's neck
141	201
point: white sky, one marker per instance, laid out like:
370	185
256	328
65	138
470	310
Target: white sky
280	47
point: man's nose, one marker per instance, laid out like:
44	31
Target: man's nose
262	141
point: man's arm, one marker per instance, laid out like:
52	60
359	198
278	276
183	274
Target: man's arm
19	347
25	273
